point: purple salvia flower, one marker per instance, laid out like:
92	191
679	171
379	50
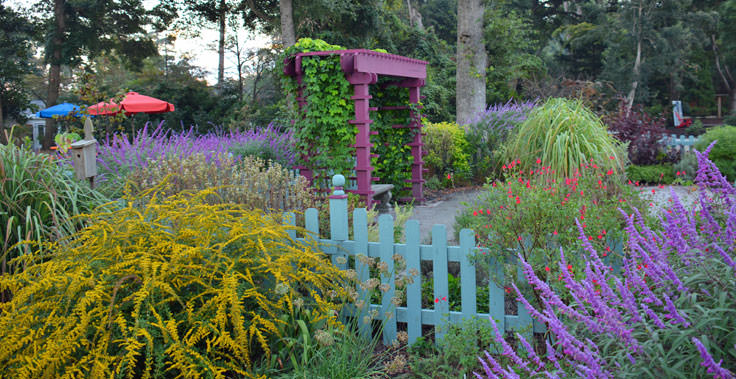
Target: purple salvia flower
708	362
673	314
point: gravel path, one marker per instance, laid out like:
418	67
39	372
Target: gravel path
444	211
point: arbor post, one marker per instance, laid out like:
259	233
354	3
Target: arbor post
363	170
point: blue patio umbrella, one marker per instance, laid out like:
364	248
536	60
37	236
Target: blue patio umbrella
60	110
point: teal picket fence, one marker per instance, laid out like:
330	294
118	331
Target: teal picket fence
439	253
680	142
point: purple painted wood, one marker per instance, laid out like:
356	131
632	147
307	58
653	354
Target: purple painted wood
362	68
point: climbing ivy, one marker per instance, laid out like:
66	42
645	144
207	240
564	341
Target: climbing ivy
322	129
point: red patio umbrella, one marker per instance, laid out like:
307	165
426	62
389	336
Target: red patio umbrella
131	104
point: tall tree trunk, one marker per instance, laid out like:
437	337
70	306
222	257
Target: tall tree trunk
288	34
221	46
55	69
725	75
637	64
2	121
470	87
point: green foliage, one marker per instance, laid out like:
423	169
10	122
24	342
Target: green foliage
651	174
456	354
566	136
169	287
322	132
447	151
260	149
687	167
724	151
250	181
534	215
512	52
453	283
393	164
16	33
64	141
730	119
39	202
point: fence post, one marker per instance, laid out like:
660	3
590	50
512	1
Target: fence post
338	217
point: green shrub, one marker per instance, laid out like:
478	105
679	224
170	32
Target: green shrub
258	149
724	151
447	151
39	201
456	354
686	168
652	174
249	181
170	288
566	135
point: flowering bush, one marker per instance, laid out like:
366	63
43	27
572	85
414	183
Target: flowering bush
487	131
724	151
535	213
118	156
173	288
671	312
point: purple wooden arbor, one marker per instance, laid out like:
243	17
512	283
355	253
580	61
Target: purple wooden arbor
362	68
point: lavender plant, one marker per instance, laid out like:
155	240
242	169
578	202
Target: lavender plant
119	156
670	313
488	129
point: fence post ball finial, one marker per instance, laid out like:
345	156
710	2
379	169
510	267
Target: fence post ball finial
338	181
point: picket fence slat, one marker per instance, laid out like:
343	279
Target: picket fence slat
362	255
388	310
439	271
360	230
414	289
467	274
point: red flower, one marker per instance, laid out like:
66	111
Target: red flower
518	201
546	268
475	213
449	177
539	161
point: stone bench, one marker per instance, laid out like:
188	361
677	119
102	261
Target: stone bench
382	194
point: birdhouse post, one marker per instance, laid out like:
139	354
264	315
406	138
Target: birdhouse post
84	154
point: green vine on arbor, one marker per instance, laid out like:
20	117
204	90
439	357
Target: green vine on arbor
322	129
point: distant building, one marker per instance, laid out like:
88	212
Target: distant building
37	124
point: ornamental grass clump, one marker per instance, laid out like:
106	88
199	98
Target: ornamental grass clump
39	202
564	134
670	313
173	288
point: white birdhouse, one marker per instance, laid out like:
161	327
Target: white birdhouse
84	154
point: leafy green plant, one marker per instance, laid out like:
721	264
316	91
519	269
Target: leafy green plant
651	174
456	354
64	141
40	202
322	132
447	151
724	151
258	149
687	166
171	287
565	135
453	283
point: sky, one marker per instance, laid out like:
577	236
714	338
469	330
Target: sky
202	49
